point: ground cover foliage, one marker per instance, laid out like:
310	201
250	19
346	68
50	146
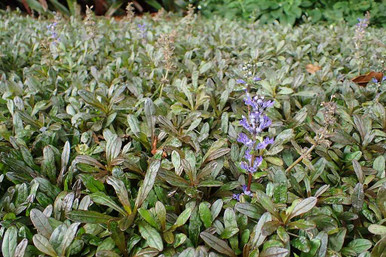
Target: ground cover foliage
120	138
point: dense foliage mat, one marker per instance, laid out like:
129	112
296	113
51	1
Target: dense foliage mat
122	138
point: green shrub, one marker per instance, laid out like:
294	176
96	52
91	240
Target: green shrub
291	12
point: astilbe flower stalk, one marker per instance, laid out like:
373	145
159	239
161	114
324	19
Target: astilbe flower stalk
256	122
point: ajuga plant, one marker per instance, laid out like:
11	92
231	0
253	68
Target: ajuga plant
254	141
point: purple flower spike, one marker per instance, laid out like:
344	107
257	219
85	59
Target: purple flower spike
241	81
236	197
255	123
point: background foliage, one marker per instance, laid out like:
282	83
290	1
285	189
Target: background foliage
285	11
119	138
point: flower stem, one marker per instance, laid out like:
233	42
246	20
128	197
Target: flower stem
300	158
249	181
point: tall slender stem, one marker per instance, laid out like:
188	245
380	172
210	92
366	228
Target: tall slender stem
300	158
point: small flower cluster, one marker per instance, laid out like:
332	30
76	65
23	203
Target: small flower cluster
142	29
166	42
130	14
376	81
245	192
255	124
52	30
360	29
90	22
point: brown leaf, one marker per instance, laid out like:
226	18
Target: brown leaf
362	80
44	4
311	68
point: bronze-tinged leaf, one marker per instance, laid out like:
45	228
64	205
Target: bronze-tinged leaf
218	244
312	68
362	80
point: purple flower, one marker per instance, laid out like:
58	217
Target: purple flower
384	78
248	155
257	123
374	80
252	168
51	28
244	139
256	79
236	197
258	104
246	191
265	143
143	29
240	81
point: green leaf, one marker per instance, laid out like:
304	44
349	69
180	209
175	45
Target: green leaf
302	207
229	232
114	7
301	224
267	204
149	218
379	248
173	179
360	245
48	165
153	238
57	237
154	4
21	248
301	243
68	238
41	223
8	246
230	218
219	245
358	197
89	217
176	160
205	67
205	214
379	164
148	182
160	210
179	240
113	148
106	253
274	252
284	137
121	192
248	209
183	217
216	208
118	236
358	170
336	241
377	229
133	124
258	238
43	245
102	198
